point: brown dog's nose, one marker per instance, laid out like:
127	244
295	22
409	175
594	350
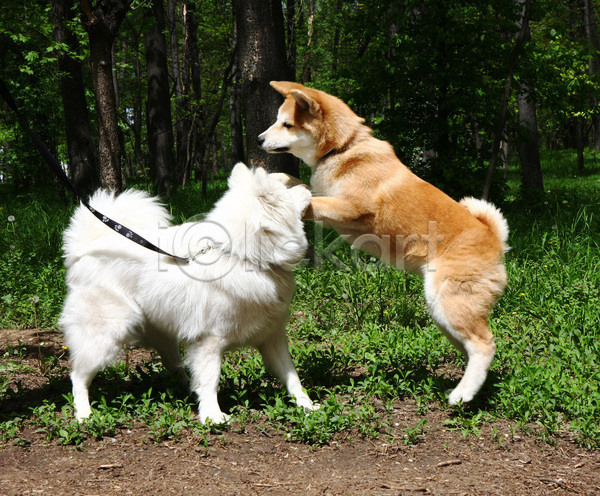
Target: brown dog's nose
260	140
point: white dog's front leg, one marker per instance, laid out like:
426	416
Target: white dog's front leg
81	401
278	361
204	359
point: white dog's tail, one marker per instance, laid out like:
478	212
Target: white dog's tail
490	215
133	208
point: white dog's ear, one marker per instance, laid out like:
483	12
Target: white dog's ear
305	102
261	181
261	174
239	173
301	196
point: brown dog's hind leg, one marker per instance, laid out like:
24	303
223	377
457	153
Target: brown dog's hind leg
461	309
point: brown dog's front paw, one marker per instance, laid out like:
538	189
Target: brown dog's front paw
287	180
308	213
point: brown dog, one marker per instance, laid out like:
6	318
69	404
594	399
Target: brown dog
377	204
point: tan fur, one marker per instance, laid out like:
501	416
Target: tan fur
361	189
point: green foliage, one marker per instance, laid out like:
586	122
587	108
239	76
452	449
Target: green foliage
52	426
31	273
414	434
321	426
28	66
469	423
188	203
428	77
434	82
11	432
560	71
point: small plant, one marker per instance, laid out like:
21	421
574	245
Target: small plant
412	435
15	351
11	432
469	423
63	428
104	420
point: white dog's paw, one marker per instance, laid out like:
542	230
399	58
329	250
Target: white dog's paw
82	418
455	397
307	405
82	414
214	418
311	408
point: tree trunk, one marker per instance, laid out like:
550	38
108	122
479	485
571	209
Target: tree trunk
191	86
158	114
102	23
77	123
306	73
173	21
140	159
235	109
109	148
529	148
506	150
113	64
184	154
261	48
290	25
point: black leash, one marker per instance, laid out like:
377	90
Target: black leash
60	173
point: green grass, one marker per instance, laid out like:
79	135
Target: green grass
31	275
549	352
360	335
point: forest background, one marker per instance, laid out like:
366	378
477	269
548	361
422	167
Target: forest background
165	93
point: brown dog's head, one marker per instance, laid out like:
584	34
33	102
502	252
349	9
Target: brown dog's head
310	124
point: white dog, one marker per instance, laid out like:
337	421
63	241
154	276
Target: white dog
235	291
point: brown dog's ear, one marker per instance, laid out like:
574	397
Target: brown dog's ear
295	90
305	102
283	87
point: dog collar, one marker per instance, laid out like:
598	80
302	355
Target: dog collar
337	151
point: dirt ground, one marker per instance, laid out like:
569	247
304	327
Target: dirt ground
261	461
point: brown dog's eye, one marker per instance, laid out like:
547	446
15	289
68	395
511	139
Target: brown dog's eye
287	125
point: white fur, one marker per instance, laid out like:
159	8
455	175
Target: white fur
236	291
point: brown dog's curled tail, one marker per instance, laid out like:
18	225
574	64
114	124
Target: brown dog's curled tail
491	216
